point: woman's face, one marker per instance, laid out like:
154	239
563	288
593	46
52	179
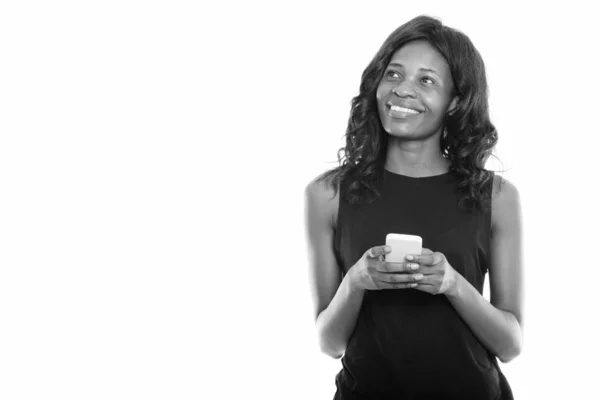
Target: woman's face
415	92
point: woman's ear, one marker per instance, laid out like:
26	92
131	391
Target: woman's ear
454	103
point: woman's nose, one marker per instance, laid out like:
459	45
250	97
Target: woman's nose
403	89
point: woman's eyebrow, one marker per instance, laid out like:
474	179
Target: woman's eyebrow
420	69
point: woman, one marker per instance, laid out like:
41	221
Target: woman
418	137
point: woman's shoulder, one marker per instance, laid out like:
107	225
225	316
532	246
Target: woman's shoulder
324	194
503	189
505	200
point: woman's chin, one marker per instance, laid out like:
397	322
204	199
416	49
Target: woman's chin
408	133
402	134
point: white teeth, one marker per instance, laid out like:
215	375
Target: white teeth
406	110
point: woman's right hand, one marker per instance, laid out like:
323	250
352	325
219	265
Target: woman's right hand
371	272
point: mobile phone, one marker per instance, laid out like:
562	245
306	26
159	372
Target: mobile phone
402	245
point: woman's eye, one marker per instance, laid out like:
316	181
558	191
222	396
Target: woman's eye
392	74
427	79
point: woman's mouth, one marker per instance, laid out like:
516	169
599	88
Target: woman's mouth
401	112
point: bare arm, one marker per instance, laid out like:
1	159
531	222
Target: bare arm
498	323
337	301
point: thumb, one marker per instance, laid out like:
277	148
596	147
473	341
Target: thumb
426	252
375	252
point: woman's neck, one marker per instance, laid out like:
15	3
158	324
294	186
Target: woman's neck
416	162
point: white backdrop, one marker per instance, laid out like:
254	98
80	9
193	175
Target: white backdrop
153	157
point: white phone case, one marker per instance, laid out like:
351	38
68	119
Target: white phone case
402	245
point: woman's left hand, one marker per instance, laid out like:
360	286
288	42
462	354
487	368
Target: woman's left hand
438	275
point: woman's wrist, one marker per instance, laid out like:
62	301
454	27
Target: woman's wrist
354	283
456	281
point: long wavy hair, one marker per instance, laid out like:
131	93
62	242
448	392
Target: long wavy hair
468	137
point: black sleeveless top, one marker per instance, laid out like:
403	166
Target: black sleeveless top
409	344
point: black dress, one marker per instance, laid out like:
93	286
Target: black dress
408	344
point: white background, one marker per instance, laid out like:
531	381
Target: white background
153	157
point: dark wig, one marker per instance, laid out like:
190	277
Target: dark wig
469	136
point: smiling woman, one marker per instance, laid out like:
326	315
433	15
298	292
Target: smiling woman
417	141
403	114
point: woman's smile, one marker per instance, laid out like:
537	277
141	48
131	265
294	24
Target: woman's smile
400	112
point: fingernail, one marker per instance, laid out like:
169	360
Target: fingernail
409	257
416	277
388	248
414	266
